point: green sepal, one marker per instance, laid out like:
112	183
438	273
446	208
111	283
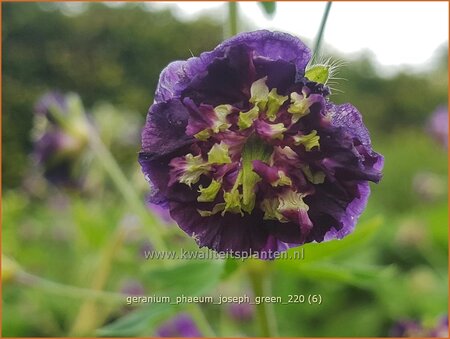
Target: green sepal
318	73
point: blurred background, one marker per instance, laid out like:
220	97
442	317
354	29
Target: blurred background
68	235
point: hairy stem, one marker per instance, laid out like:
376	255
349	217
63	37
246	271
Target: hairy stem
125	188
260	279
319	36
233	17
67	290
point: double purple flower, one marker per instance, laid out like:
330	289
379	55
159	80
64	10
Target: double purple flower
181	326
249	154
60	138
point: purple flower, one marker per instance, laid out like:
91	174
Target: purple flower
241	312
441	329
182	326
161	212
407	328
49	102
249	154
428	186
132	287
410	328
438	125
59	138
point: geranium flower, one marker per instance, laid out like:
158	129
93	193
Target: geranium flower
438	125
251	155
181	326
60	137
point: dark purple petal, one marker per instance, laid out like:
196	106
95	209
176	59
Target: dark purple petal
162	212
227	79
182	326
268	173
270	45
225	233
164	130
348	117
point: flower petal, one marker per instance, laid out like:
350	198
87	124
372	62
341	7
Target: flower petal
164	130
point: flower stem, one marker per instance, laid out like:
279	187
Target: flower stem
259	273
112	168
233	17
201	321
67	290
319	36
91	314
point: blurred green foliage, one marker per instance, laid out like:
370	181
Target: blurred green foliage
393	267
105	53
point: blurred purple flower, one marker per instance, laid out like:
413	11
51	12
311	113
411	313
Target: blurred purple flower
145	248
181	326
161	212
132	287
48	102
56	146
441	329
410	328
407	329
249	154
429	186
241	312
438	125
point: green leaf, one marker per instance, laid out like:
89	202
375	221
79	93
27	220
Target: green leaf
190	279
363	233
138	322
364	277
231	266
269	7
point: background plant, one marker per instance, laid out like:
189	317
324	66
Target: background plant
394	266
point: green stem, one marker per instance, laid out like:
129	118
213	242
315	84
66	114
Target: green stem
319	36
261	284
67	290
233	17
129	194
201	321
91	314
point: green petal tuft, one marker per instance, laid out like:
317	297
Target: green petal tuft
310	140
246	119
209	193
274	102
218	154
